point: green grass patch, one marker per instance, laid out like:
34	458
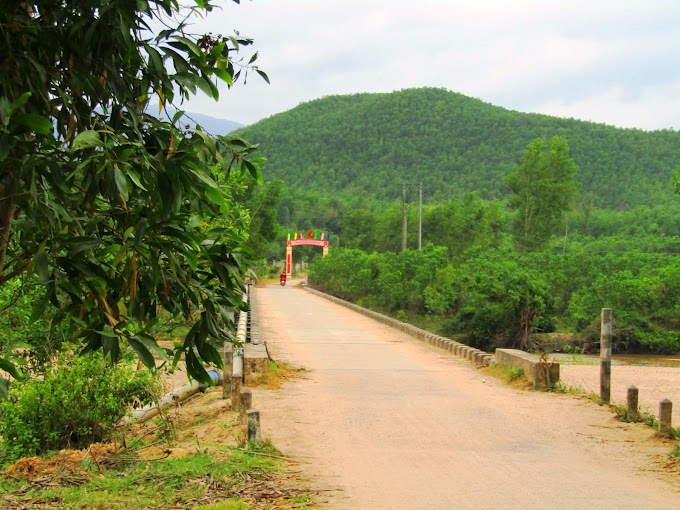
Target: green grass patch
515	373
515	378
225	479
562	387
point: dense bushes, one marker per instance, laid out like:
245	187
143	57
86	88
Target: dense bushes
498	297
386	281
492	297
73	405
500	301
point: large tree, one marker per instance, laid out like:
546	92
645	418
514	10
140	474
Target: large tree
117	213
543	188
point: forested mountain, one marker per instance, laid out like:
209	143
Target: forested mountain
366	145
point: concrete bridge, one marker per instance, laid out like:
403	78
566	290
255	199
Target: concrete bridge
379	419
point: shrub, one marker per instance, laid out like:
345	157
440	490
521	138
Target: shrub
18	298
501	301
73	405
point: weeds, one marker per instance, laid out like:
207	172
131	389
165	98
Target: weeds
595	398
645	417
561	387
515	373
676	451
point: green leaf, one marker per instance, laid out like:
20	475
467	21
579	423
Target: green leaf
121	182
192	259
254	171
4	150
209	354
152	345
192	81
108	334
134	177
11	369
195	368
178	115
224	76
192	46
143	353
86	140
36	123
21	101
41	265
170	196
215	196
154	57
81	243
181	65
38	308
264	75
140	231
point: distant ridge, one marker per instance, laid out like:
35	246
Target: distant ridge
211	125
366	145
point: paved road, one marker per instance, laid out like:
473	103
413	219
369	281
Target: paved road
384	421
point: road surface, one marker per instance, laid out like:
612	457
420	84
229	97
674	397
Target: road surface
383	421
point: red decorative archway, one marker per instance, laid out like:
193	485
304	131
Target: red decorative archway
300	242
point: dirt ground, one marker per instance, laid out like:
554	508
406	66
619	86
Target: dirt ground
381	420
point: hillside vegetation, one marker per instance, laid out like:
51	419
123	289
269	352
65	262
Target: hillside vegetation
366	145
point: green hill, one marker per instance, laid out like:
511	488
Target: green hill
366	145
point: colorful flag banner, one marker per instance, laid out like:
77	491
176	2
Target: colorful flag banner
328	237
309	233
295	238
322	235
289	236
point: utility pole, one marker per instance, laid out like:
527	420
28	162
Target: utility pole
403	206
420	219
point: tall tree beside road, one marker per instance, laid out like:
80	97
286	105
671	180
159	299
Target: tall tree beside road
543	188
111	210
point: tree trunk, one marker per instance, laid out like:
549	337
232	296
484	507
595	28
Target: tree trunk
7	210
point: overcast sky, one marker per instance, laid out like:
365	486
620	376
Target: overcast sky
610	61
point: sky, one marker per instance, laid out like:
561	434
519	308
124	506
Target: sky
609	61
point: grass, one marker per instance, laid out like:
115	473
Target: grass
512	377
214	472
562	387
168	482
218	480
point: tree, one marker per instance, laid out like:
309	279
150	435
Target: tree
108	208
543	188
263	227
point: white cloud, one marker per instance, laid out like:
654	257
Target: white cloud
611	61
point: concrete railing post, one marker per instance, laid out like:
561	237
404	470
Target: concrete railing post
606	356
253	420
665	417
246	403
228	364
632	413
236	382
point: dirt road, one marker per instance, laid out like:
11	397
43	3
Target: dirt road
384	421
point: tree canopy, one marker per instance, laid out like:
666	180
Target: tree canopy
542	188
115	213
